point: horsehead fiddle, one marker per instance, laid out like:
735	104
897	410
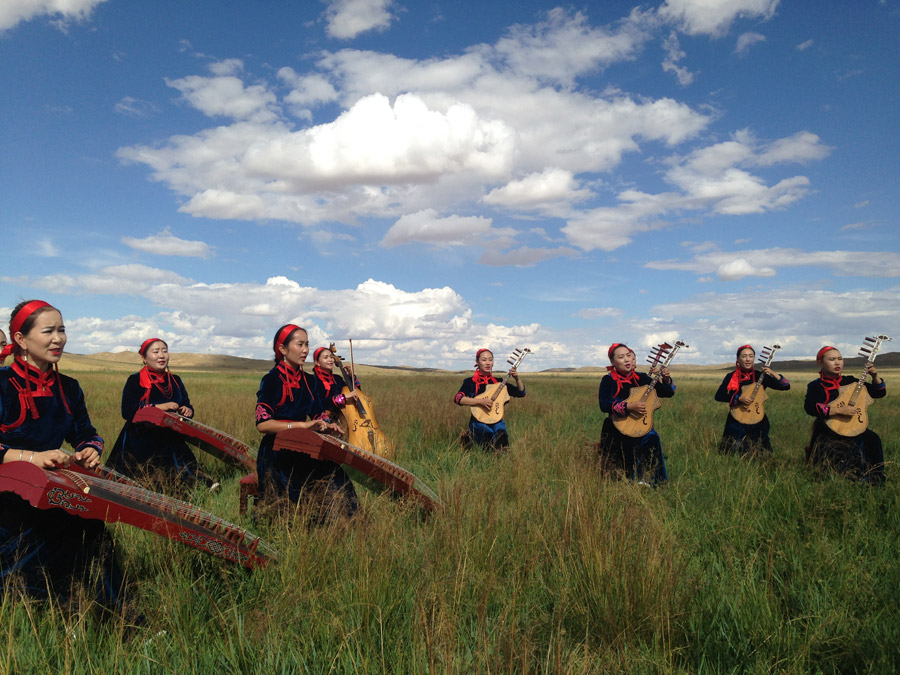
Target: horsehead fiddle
362	428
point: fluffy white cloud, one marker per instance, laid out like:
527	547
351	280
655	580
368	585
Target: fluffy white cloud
346	19
165	243
14	11
538	191
714	17
500	125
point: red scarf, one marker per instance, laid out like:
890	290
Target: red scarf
620	379
829	384
325	376
738	378
44	382
480	379
162	381
290	380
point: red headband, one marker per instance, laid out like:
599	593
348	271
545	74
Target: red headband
317	352
483	349
146	343
283	335
613	347
823	351
742	348
15	326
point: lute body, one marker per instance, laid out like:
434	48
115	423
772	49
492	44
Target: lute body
497	393
753	412
635	424
855	397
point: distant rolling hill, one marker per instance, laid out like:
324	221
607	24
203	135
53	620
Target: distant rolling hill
131	362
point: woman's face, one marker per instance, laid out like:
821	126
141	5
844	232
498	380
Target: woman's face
325	360
296	348
45	341
485	362
156	356
623	360
746	358
832	362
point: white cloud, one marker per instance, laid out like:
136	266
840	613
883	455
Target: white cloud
714	17
524	256
14	11
803	46
732	265
225	94
46	248
428	228
545	189
346	19
134	107
591	313
674	54
426	327
747	40
498	125
165	243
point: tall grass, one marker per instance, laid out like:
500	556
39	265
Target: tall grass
537	563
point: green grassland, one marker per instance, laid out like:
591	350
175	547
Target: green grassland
536	563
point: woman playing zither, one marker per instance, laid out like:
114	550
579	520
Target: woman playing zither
148	452
861	456
48	549
289	398
738	438
491	436
640	458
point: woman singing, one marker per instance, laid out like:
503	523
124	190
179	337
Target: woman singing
146	451
738	438
859	457
640	458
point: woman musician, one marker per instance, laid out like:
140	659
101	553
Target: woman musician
739	438
860	457
640	458
49	550
146	451
333	384
289	398
491	436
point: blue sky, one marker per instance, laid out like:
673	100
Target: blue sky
428	178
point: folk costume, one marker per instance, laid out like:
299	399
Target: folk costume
49	550
738	438
147	451
290	394
641	459
332	383
860	457
492	436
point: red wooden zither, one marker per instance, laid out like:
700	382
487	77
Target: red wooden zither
83	493
376	473
228	449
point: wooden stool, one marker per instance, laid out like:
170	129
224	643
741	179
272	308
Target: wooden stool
249	488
